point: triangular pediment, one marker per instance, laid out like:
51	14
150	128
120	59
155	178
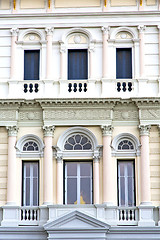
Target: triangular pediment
76	220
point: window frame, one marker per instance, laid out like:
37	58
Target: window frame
39	53
134	183
31	187
78	182
131	59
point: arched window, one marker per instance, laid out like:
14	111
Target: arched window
125	144
78	142
30	146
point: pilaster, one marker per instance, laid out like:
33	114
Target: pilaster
49	62
14	32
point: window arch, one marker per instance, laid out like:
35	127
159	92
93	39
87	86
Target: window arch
125	144
78	142
29	146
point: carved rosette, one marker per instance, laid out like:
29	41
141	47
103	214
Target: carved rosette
48	131
106	130
144	130
12	131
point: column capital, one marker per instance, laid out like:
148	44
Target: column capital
48	131
141	28
62	47
144	130
49	30
12	131
106	130
105	29
14	31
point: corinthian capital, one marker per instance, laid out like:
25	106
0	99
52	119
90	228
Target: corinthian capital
141	28
48	131
105	29
144	130
106	130
14	31
49	30
12	131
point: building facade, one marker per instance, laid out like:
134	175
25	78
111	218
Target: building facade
79	119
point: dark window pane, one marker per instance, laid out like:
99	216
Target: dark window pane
84	140
121	165
123	63
77	64
125	147
35	192
27	196
78	138
72	191
87	146
71	140
35	169
85	169
71	169
77	147
122	191
31	64
68	147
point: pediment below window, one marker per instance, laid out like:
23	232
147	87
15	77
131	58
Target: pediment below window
76	221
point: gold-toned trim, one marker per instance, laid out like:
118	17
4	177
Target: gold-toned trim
49	3
105	3
14	4
141	2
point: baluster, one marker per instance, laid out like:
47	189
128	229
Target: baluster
69	87
30	87
118	86
120	214
124	215
133	215
31	214
80	87
23	214
85	87
27	214
129	215
75	87
124	86
36	87
25	88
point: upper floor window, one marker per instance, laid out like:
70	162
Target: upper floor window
123	63
77	64
31	64
30	146
78	183
30	196
126	184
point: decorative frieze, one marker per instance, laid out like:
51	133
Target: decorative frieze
106	130
48	131
150	114
8	115
144	130
70	114
30	115
125	115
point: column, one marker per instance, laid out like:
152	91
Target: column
159	58
48	166
59	179
145	208
91	61
96	179
141	50
108	185
49	62
14	32
63	63
105	62
11	183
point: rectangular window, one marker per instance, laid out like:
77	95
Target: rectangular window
77	64
78	183
30	181
31	64
123	63
126	184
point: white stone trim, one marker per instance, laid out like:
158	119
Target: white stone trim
126	153
40	33
23	140
94	153
76	30
126	29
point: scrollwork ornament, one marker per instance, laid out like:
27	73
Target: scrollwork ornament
48	131
12	131
106	130
144	130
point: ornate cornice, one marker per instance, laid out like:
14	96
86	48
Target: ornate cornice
12	131
144	130
106	130
48	131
